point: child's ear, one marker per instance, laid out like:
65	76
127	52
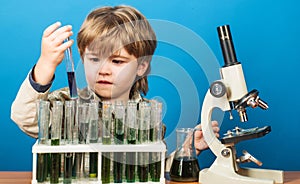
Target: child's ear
142	68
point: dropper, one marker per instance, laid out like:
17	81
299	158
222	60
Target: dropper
70	72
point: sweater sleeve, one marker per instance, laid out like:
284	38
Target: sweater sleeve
23	109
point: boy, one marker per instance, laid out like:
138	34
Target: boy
116	45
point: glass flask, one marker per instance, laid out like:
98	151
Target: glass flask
185	165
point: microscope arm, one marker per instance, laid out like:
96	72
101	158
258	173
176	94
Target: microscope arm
211	102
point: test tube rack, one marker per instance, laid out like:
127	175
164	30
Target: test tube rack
99	148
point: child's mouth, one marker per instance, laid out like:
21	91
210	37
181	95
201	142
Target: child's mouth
104	82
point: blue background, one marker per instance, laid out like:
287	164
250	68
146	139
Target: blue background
265	35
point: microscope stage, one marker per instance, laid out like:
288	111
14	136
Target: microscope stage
245	134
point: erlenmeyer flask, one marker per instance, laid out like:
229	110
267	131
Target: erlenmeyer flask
185	165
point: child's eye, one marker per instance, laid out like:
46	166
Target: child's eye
117	61
94	59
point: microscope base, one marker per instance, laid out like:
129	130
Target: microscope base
276	175
244	176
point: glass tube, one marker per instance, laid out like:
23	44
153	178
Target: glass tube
43	123
68	164
93	122
75	126
57	112
69	121
83	122
77	166
106	139
93	136
119	130
71	73
77	161
131	136
155	136
42	167
68	127
143	135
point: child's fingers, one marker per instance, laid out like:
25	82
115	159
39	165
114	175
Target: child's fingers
66	45
61	37
214	123
49	30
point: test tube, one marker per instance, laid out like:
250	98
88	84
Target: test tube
69	121
93	122
131	135
155	136
77	164
83	122
68	163
106	139
43	123
119	130
93	136
79	170
57	112
143	135
75	126
71	73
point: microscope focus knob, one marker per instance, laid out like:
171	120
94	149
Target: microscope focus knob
217	89
247	157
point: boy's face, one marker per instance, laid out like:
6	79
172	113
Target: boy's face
113	77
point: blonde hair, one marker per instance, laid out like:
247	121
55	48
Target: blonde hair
106	30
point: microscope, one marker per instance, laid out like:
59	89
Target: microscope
230	93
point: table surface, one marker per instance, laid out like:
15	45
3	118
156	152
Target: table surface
290	177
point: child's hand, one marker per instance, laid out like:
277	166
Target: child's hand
52	51
200	143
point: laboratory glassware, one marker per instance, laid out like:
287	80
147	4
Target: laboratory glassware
43	123
93	137
69	121
131	137
155	136
119	131
185	165
56	124
71	72
107	108
143	135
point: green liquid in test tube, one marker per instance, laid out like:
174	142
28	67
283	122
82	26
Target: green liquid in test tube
119	130
69	122
93	136
57	113
43	123
143	135
106	139
132	136
155	136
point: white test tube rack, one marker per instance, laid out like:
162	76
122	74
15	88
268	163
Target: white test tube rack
99	148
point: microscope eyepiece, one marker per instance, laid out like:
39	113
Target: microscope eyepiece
227	45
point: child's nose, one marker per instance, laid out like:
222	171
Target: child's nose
104	68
